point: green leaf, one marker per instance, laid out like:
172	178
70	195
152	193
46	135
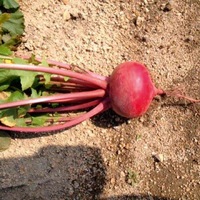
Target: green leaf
15	96
42	119
54	105
11	23
8	121
5	140
33	61
4	17
27	81
9	4
19	61
22	111
44	63
10	116
39	120
27	78
5	51
6	38
66	78
21	122
4	86
14	40
7	116
34	93
15	24
4	95
47	78
5	77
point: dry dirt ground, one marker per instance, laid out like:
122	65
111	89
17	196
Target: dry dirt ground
154	157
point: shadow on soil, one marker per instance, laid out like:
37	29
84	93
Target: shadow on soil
57	172
108	119
145	197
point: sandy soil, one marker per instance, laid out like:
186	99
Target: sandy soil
154	157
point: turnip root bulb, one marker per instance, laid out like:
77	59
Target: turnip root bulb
131	89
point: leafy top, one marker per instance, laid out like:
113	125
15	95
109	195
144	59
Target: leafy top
11	25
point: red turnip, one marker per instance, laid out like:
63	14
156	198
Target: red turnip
129	91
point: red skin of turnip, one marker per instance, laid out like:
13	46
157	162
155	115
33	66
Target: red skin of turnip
131	89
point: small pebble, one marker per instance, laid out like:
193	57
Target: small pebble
122	174
66	15
112	181
189	38
141	119
166	7
146	2
139	21
90	133
158	157
65	1
28	46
